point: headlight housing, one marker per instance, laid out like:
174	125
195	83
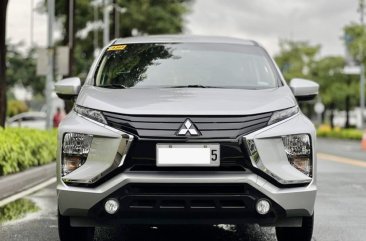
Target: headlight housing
280	115
298	150
280	153
95	115
75	150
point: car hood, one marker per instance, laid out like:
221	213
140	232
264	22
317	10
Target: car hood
186	101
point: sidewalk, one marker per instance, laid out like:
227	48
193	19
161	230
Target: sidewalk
342	148
15	183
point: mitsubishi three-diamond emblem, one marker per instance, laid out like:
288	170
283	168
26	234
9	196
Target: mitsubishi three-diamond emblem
188	127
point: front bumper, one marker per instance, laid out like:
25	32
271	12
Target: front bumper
295	202
166	203
85	204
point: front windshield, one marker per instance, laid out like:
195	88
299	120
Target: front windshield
156	65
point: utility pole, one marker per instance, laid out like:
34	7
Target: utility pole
106	32
95	39
71	36
362	65
50	67
31	24
114	13
119	12
96	5
116	20
107	8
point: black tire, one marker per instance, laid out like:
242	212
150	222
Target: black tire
303	233
68	233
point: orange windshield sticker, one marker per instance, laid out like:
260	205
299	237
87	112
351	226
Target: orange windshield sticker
117	47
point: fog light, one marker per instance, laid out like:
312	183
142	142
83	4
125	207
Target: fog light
111	206
263	206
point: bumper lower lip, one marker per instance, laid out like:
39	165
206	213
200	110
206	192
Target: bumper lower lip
204	202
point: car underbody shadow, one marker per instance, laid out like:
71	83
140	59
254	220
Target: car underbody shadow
186	233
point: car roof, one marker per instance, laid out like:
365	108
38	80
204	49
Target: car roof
183	39
27	114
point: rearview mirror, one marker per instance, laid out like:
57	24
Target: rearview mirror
304	89
68	89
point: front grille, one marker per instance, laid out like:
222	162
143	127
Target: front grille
167	126
142	157
186	189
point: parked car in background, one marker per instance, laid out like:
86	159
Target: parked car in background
35	120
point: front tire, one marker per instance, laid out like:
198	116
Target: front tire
303	233
68	233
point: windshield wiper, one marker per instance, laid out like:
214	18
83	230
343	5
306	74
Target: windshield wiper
192	86
114	86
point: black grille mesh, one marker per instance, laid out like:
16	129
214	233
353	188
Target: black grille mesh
167	126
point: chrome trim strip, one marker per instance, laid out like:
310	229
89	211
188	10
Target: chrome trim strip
100	124
257	163
124	146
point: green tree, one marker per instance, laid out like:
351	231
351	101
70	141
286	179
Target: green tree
297	58
334	85
22	69
141	17
337	91
355	41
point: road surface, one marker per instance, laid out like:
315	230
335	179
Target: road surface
340	212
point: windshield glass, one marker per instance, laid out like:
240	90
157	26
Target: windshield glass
180	65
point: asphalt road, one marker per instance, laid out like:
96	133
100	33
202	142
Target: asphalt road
340	213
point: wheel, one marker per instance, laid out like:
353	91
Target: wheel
68	233
303	233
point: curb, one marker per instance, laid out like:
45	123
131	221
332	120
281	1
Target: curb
27	192
16	183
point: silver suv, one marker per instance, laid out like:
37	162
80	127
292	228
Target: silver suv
186	130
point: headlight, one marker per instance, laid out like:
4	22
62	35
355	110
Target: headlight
75	150
298	150
280	115
90	113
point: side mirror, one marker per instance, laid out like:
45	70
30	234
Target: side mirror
68	89
304	89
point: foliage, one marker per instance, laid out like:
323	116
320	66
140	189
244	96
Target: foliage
17	209
142	17
130	66
21	148
21	69
16	107
355	40
337	90
297	59
328	73
338	133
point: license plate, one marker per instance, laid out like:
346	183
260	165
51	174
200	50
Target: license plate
188	155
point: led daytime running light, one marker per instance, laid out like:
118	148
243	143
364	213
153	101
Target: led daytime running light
90	113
